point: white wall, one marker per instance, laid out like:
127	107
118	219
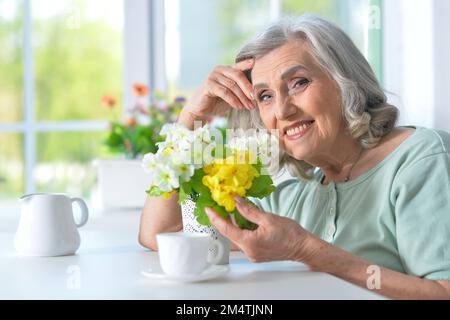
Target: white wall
442	64
136	46
416	60
144	54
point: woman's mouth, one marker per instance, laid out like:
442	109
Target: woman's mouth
297	132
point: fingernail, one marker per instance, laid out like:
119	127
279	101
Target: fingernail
239	200
208	211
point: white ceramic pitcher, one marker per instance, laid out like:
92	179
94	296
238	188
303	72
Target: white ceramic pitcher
47	226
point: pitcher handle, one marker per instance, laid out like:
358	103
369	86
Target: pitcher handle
220	250
84	211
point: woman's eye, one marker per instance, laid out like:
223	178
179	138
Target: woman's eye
263	97
300	83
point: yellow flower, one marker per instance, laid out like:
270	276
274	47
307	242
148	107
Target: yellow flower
226	179
167	195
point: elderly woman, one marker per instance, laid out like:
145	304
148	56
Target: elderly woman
370	197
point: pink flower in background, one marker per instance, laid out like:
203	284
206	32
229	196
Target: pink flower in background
109	101
130	122
138	107
140	90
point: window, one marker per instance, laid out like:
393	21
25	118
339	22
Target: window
11	61
11	166
360	19
77	56
51	121
11	99
203	34
59	57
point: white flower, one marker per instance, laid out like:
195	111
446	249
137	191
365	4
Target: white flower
174	131
166	179
167	128
197	156
150	163
181	156
185	171
177	136
161	175
238	144
202	134
260	142
208	149
181	164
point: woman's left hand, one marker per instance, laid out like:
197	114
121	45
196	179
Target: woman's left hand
276	238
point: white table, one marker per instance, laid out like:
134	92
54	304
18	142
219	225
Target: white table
109	262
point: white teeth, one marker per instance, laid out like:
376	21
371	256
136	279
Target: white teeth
294	131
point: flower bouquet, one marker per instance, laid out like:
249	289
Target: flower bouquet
210	168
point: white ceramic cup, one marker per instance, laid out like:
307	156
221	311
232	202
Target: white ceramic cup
186	254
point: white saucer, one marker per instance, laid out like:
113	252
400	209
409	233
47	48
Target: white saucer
211	272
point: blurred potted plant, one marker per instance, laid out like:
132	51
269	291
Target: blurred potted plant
120	181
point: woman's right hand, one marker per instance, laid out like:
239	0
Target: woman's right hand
226	87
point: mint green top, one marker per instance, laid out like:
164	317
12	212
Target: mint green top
396	215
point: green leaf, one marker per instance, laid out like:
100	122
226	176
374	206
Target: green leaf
200	194
201	216
141	139
118	129
185	191
187	187
261	187
154	192
201	204
113	140
220	210
197	184
242	222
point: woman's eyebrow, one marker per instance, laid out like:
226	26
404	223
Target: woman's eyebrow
289	72
286	74
260	86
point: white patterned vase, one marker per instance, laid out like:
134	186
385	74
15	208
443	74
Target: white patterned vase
191	225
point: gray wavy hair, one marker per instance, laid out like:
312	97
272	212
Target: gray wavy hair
365	110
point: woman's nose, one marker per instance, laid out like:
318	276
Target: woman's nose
285	109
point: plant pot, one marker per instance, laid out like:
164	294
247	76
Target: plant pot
191	225
121	184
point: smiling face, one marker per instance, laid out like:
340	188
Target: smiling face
297	97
